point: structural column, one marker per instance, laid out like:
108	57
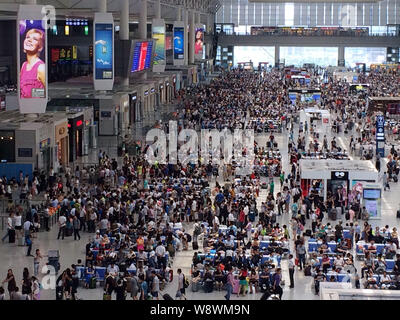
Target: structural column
191	37
277	55
143	28
179	14
158	9
102	6
341	61
124	28
185	22
30	1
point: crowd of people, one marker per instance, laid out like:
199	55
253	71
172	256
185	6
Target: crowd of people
140	214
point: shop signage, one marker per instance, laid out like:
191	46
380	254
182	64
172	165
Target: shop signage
339	175
61	131
152	90
146	92
44	143
79	123
380	135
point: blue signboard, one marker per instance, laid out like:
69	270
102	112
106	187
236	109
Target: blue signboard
104	51
380	135
179	43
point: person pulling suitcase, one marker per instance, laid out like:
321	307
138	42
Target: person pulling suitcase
10	229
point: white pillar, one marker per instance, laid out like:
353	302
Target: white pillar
30	2
102	6
341	62
143	27
124	28
191	37
143	20
197	16
179	14
185	22
158	9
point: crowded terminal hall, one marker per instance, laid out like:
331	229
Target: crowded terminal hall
160	151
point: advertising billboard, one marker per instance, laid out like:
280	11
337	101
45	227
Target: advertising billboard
103	51
179	43
199	43
32	59
158	34
168	43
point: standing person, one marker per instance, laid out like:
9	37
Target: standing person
155	286
35	289
143	287
18	224
26	283
10	227
385	181
181	285
62	223
77	225
11	283
36	262
291	270
301	251
229	285
134	287
277	283
28	225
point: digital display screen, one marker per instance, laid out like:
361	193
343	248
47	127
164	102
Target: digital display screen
199	41
371	193
142	54
104	51
159	50
32	76
179	41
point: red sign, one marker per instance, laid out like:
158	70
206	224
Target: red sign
55	54
79	123
325	120
143	54
168	43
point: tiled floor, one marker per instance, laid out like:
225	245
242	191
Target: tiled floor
13	256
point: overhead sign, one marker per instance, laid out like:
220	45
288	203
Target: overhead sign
103	51
158	33
380	135
32	59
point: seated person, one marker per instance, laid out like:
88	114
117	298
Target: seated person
325	263
89	274
196	275
390	249
380	265
342	247
370	282
385	281
313	260
113	269
396	268
219	278
265	279
253	281
338	261
89	259
371	248
208	280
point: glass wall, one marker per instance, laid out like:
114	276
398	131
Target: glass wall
297	56
255	54
364	55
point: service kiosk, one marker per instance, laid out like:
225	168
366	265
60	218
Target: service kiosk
371	199
329	175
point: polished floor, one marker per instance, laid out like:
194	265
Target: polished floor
14	257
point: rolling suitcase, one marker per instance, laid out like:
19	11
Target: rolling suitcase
59	293
395	179
195	245
308	233
11	236
398	214
307	271
167	297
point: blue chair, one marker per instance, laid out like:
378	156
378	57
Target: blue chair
264	244
312	246
95	253
346	234
131	271
341	277
379	248
390	265
100	273
332	246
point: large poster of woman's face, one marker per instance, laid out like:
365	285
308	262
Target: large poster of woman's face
33	59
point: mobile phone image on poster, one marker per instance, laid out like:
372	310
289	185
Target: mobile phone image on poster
32	79
199	42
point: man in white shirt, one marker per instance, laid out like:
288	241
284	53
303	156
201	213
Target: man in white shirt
62	222
291	267
9	226
231	217
113	269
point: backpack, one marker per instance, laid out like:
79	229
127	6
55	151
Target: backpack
197	230
186	282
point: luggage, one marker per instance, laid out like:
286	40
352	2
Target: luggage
11	236
195	286
93	283
264	185
347	216
346	131
307	271
395	179
332	214
308	233
195	245
167	297
59	293
398	214
106	296
21	241
68	232
265	295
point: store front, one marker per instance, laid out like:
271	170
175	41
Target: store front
61	143
75	136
